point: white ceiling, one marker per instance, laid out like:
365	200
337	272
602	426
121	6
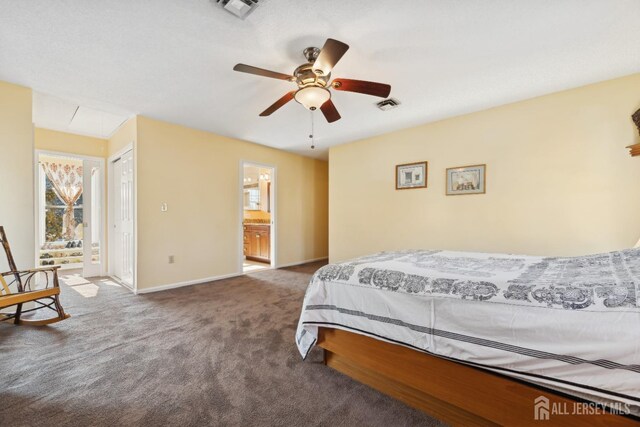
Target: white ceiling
51	112
173	59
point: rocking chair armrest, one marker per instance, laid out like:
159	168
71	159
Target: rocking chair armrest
27	275
53	269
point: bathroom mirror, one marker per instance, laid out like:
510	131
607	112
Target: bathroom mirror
257	189
252	197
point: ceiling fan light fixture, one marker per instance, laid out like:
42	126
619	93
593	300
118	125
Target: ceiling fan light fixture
313	79
322	70
312	97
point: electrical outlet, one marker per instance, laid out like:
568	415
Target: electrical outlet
171	259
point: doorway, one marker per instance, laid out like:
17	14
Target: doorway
258	216
121	218
69	212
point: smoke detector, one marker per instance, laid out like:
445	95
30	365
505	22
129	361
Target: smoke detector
388	104
240	8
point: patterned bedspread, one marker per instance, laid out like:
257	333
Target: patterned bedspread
571	324
596	282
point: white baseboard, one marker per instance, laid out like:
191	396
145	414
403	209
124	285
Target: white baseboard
307	261
187	283
214	278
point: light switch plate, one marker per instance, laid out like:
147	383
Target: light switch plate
164	207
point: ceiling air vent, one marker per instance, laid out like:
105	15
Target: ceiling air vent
388	104
240	8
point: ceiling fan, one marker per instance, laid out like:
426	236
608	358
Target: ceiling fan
313	83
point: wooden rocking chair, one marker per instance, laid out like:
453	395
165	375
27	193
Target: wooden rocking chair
43	298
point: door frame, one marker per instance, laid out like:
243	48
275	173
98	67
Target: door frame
273	240
110	215
36	196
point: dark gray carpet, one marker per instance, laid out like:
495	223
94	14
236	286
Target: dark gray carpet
221	353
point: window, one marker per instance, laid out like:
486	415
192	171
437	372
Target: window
54	213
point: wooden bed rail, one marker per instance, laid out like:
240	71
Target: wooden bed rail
453	392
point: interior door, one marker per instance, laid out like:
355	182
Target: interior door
93	185
123	218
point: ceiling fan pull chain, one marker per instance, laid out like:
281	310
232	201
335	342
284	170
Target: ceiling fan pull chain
313	145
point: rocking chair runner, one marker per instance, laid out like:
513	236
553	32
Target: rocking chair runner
43	298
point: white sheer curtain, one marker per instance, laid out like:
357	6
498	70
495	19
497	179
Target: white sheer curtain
67	184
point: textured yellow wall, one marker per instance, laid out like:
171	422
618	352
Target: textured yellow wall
16	173
51	140
197	174
126	134
559	180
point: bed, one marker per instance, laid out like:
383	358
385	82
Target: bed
485	338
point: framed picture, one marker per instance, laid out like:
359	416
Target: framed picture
466	180
411	175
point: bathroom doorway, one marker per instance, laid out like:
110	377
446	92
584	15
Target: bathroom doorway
258	216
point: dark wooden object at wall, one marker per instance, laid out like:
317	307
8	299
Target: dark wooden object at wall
453	392
634	150
47	298
257	242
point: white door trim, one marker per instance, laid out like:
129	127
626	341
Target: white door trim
111	159
274	210
36	183
88	269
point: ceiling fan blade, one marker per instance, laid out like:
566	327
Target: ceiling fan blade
330	112
279	103
243	68
329	56
360	86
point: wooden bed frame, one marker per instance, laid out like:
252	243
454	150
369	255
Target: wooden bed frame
453	392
